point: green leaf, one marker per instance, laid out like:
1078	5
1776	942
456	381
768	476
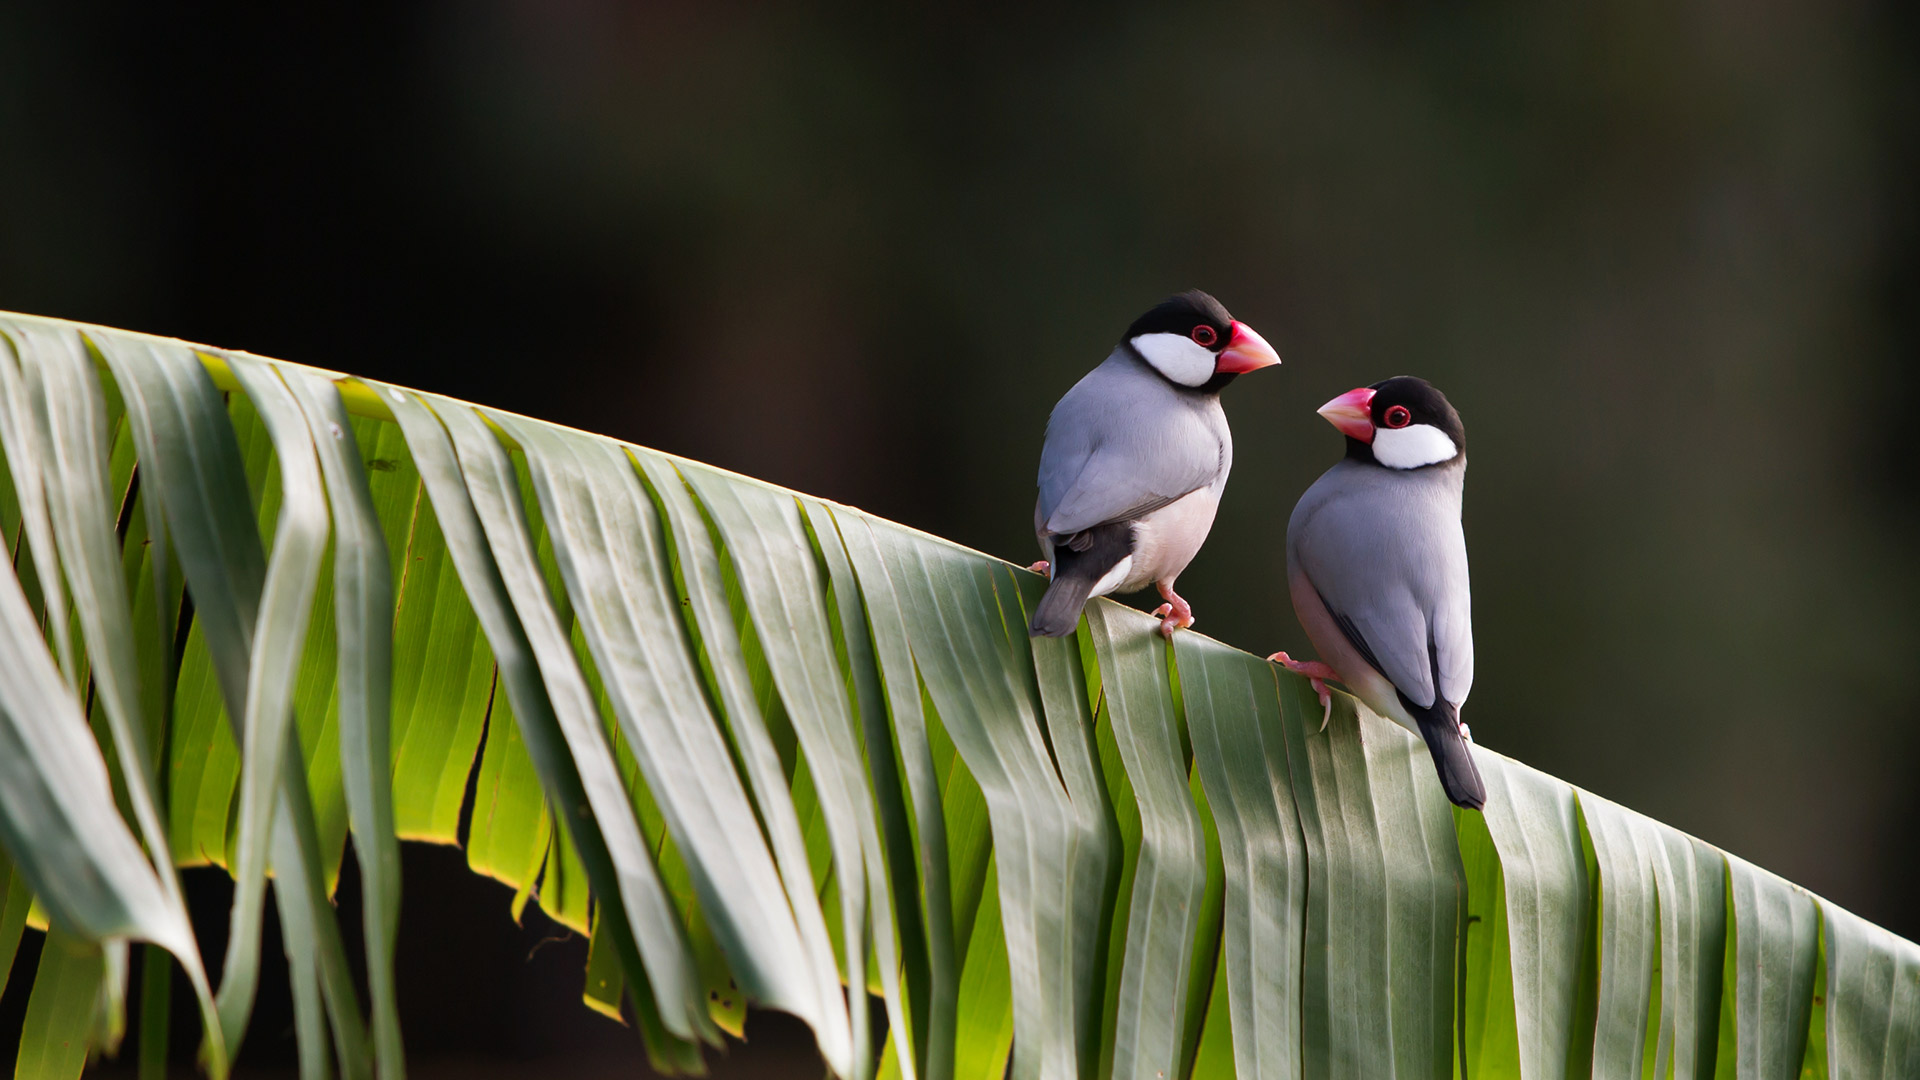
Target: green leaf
1214	1058
702	584
1052	858
57	1033
278	639
1346	1030
1261	846
986	1020
442	670
15	899
608	545
1773	947
23	433
57	815
1545	906
773	557
510	831
364	611
967	632
478	492
1629	938
936	992
1170	880
890	862
1872	1007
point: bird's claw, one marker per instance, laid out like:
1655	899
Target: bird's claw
1175	614
1317	673
1042	568
1172	618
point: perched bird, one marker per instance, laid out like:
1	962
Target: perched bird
1377	567
1135	458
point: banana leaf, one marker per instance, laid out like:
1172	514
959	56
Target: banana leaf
773	751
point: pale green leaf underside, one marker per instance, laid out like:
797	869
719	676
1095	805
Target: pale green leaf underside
775	750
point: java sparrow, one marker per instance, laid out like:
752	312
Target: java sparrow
1377	568
1135	457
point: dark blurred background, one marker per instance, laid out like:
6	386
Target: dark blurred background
1661	256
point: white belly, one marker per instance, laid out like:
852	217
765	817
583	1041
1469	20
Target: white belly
1164	542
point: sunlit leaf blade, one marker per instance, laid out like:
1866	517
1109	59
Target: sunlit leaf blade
286	599
1486	1039
14	902
606	980
509	834
1091	866
363	613
442	668
936	994
1346	973
1170	880
966	629
742	707
892	931
768	543
1629	938
81	497
1532	825
1425	886
57	815
1213	1059
564	892
56	1035
608	545
1233	714
23	425
196	475
202	761
1207	934
698	562
74	457
1873	1000
1773	936
476	492
1693	913
986	1018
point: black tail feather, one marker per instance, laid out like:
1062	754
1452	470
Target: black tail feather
1079	562
1058	613
1452	758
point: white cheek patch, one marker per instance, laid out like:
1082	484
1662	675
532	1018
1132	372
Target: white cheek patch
1113	577
1177	357
1412	446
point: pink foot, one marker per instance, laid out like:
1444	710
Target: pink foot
1041	568
1317	673
1175	614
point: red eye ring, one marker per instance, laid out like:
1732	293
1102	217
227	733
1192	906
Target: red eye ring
1397	416
1204	336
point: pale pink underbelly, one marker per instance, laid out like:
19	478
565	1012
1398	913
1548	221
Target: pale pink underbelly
1338	653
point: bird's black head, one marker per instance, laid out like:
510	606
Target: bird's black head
1192	342
1401	423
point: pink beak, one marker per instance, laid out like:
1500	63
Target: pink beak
1352	413
1246	351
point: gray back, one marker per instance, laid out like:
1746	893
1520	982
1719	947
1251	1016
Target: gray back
1386	551
1125	442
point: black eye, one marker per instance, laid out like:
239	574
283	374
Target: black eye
1397	416
1204	336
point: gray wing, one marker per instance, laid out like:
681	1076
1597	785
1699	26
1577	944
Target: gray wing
1123	443
1389	559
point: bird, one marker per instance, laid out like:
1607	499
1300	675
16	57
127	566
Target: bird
1377	570
1134	460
